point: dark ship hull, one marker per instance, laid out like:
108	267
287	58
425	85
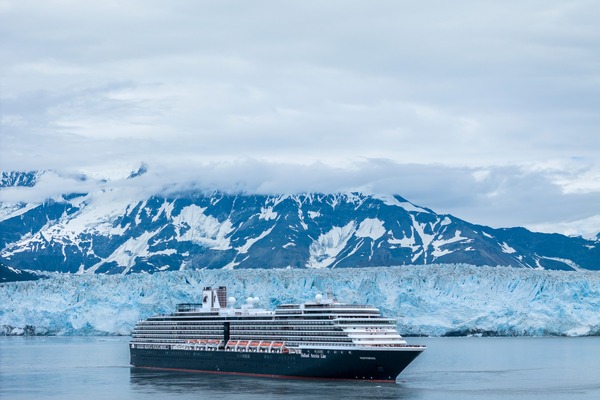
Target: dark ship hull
377	365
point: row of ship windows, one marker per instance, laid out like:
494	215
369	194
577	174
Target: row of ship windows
327	305
257	330
249	316
246	331
231	331
268	324
278	311
235	332
178	339
331	342
236	322
239	327
252	336
278	338
238	337
316	317
282	328
166	344
385	336
328	311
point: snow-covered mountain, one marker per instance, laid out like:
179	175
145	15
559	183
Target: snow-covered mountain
426	300
113	229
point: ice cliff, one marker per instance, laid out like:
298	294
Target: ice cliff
426	300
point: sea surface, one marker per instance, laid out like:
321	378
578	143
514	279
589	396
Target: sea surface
451	368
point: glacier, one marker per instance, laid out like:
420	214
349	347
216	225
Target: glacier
435	300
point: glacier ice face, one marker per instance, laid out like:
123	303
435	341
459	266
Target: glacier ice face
426	300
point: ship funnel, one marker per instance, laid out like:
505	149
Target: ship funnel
221	297
214	298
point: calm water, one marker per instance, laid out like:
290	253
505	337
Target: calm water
452	368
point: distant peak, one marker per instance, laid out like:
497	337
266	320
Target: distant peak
140	171
19	178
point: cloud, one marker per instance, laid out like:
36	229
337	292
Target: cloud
472	107
497	196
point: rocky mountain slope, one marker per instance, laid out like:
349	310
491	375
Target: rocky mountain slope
108	230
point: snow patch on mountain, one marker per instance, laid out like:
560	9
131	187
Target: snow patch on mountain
12	210
446	221
371	227
98	218
193	225
324	250
393	201
568	262
166	208
314	214
438	244
134	248
267	213
419	229
244	249
407	242
507	249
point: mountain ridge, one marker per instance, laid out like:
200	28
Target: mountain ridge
109	230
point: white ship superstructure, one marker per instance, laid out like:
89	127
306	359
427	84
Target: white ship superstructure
323	323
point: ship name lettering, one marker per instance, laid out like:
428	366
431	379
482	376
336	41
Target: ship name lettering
309	355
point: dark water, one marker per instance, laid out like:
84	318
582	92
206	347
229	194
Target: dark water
452	368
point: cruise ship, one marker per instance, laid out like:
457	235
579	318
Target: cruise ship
319	339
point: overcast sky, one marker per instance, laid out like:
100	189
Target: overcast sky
488	110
